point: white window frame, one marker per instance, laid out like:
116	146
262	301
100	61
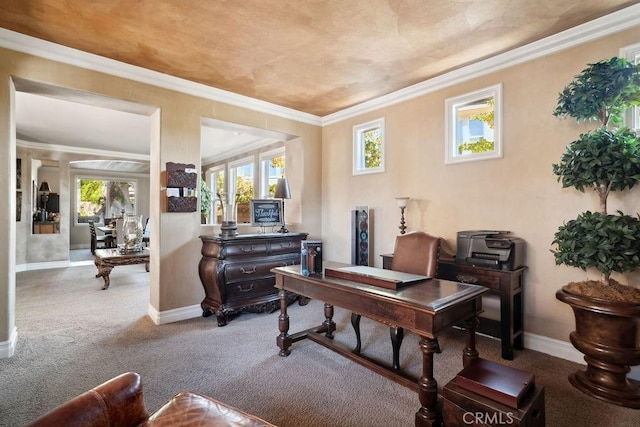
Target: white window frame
359	167
264	170
632	115
451	108
212	183
79	178
232	177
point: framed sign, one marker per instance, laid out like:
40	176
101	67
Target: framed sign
266	212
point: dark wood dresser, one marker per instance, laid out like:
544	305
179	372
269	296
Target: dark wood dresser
236	271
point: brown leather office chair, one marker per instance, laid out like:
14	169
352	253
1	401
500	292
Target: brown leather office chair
415	253
106	241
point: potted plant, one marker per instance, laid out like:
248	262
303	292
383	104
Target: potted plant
206	201
604	159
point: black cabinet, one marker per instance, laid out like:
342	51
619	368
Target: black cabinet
236	271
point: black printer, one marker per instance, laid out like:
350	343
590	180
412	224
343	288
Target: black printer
490	248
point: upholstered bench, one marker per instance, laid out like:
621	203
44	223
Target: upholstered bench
119	402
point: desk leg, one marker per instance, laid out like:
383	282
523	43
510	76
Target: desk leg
328	323
470	352
283	340
430	413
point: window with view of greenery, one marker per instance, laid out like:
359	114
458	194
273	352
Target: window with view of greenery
368	147
473	126
632	115
217	184
97	199
273	166
241	176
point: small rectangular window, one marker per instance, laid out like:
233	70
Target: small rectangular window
632	115
368	147
473	126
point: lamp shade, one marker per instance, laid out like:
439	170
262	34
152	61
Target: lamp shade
402	201
282	189
44	187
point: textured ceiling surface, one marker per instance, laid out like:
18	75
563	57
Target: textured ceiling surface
315	56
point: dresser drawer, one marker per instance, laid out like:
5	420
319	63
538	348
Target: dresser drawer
244	249
471	275
251	288
248	270
286	247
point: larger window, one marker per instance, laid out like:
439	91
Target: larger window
272	166
217	184
98	198
473	126
241	184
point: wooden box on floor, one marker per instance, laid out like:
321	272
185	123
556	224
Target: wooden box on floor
490	394
464	408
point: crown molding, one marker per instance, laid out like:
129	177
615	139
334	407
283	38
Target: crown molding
55	52
598	28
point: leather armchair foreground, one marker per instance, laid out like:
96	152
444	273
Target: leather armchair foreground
119	402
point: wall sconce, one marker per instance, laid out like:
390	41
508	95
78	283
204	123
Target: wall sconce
45	190
282	192
402	204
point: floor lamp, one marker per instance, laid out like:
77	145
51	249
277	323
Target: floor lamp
282	192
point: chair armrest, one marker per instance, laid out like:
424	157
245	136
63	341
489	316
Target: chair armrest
117	402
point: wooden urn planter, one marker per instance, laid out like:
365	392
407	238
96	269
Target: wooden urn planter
608	333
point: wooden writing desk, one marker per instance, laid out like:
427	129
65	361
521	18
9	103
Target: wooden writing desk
426	308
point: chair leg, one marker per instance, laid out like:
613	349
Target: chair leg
355	322
397	335
93	246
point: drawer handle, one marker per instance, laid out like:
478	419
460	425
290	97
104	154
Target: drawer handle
466	279
248	272
249	289
246	251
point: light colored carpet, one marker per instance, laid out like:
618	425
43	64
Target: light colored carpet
73	336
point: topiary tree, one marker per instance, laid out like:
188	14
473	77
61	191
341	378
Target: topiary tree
605	159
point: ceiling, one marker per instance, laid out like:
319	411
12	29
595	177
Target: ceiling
314	56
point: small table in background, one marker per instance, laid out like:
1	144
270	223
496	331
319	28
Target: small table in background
107	259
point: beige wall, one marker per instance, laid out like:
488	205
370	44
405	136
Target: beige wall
518	192
175	130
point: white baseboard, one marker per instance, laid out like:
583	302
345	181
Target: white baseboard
7	348
557	348
42	265
175	315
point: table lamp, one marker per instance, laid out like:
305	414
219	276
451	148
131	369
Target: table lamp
45	190
282	192
402	204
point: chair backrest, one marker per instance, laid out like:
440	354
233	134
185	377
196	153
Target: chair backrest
92	228
147	229
416	253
